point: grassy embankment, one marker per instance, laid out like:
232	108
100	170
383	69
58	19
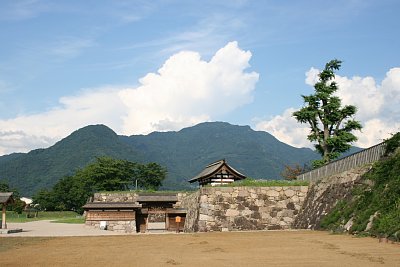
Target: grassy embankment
266	183
375	207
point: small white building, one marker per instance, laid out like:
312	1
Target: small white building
217	173
27	201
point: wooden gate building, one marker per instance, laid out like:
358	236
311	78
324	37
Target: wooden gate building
155	212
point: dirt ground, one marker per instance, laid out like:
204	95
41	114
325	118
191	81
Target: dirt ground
269	248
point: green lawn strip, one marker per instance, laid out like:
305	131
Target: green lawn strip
78	220
13	217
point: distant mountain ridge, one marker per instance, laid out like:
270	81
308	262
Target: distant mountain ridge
255	153
186	152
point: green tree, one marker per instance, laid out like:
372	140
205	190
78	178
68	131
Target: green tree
4	187
331	125
72	192
150	176
46	199
105	174
108	174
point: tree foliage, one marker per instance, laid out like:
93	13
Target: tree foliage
4	187
105	174
150	176
108	174
291	172
18	205
331	125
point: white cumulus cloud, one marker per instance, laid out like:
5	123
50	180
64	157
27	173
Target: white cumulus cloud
186	90
378	110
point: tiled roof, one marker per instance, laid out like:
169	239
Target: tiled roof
5	197
111	205
212	168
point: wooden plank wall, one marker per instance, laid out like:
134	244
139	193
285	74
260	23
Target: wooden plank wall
361	158
95	215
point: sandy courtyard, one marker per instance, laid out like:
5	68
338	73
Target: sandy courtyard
270	248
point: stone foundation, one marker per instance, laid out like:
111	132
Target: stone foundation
116	226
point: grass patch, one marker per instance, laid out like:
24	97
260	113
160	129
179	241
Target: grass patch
42	215
76	220
266	183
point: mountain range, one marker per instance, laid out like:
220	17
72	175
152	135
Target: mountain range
184	153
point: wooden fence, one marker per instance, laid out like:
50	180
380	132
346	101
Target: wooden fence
361	158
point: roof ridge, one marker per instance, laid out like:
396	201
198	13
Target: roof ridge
216	163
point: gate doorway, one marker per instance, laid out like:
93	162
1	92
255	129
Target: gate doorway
141	222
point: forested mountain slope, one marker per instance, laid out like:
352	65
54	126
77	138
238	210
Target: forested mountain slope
254	153
42	168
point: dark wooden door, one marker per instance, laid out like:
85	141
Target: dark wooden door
173	224
141	220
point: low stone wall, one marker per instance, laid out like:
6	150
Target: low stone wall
324	195
129	197
245	208
115	197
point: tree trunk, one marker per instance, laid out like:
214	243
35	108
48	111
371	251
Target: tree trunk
325	146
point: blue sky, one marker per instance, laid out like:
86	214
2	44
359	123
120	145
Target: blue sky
142	66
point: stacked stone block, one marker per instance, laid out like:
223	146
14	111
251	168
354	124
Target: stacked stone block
248	208
115	197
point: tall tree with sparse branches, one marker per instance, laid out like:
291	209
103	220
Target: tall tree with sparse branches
331	125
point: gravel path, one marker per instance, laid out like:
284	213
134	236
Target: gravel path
47	228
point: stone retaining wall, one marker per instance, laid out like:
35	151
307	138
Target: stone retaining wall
325	194
245	208
191	204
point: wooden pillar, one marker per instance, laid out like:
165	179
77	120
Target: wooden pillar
166	221
147	222
4	223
